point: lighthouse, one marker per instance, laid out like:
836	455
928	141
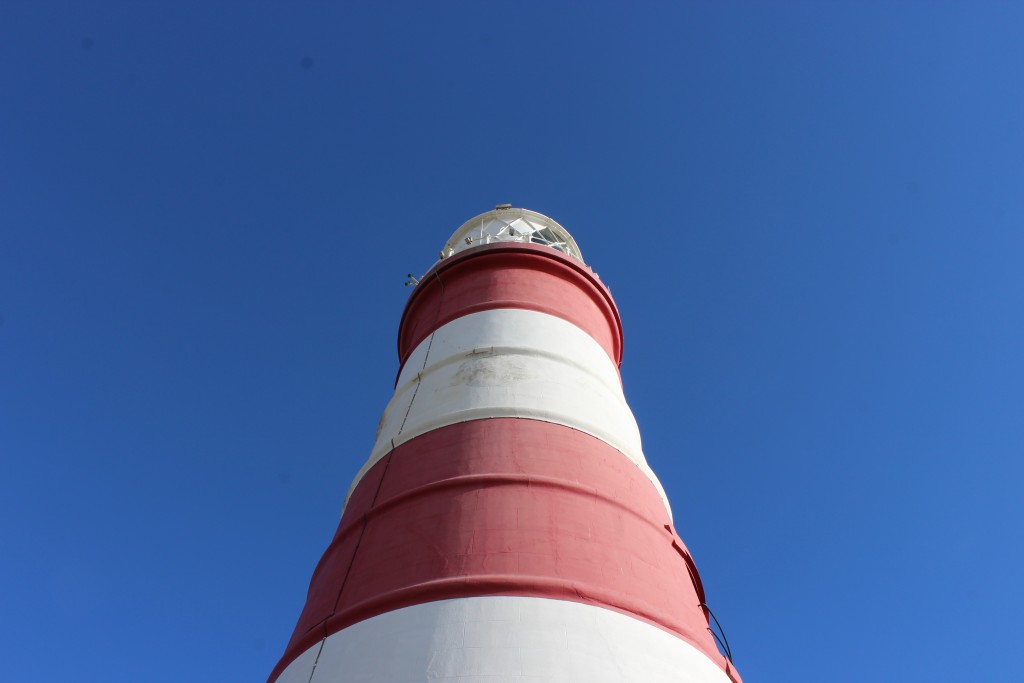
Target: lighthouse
506	525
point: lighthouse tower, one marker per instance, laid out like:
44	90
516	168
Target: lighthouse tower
506	525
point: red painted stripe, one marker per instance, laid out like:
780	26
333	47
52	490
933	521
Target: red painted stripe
504	506
509	275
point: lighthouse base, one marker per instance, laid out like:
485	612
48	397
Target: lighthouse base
501	638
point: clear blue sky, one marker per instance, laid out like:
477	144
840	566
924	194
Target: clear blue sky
811	216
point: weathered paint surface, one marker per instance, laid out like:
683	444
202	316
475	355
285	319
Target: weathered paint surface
510	363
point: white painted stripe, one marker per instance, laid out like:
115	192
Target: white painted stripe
496	639
510	363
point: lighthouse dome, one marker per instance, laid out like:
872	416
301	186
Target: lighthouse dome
506	224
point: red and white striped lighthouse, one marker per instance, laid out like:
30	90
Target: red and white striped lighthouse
506	525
